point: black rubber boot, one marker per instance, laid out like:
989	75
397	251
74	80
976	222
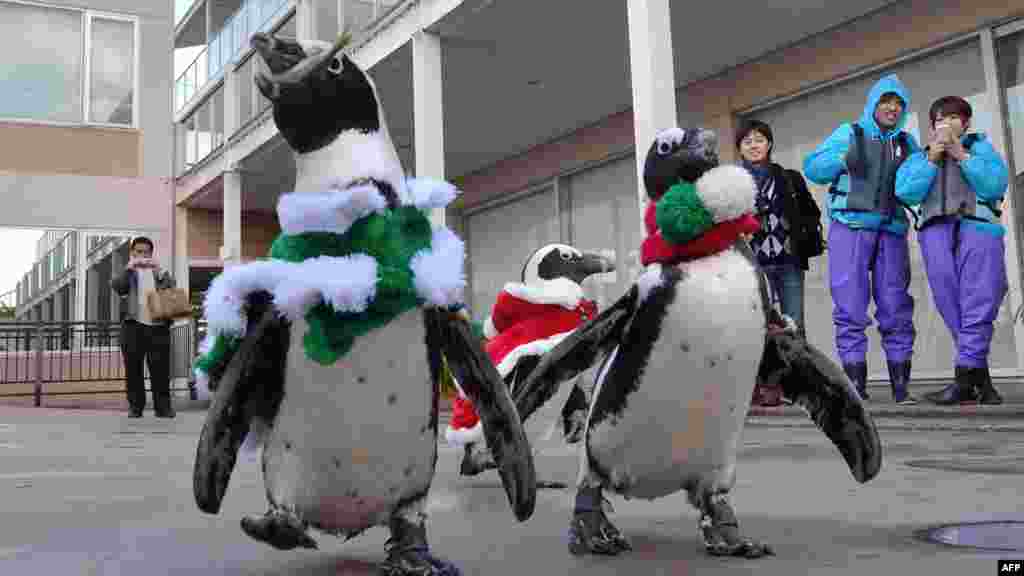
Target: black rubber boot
409	554
982	384
959	391
899	380
857	372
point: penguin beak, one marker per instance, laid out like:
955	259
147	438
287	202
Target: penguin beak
595	263
287	63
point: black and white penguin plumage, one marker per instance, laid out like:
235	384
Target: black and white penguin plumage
679	355
351	443
528	319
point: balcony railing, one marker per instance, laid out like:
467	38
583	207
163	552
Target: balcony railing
226	45
232	40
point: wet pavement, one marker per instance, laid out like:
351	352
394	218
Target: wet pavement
92	492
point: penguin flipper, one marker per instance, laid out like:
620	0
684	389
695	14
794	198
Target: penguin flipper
250	387
575	354
452	336
814	382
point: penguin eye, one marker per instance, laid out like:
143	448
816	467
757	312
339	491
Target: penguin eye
566	255
334	67
664	147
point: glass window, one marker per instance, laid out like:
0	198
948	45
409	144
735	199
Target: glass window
204	132
112	80
500	240
218	117
41	71
800	125
1010	59
604	214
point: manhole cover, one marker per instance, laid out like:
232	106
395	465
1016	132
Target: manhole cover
982	464
1006	536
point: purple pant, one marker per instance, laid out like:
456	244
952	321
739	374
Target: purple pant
865	263
967	275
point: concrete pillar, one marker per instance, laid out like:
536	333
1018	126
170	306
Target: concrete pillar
652	74
81	267
231	247
428	111
180	267
305	19
342	4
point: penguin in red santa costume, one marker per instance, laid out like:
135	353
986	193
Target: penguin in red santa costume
528	319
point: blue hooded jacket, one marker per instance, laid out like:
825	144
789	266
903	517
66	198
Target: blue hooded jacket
826	162
985	171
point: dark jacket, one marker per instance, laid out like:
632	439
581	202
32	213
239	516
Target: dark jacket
800	211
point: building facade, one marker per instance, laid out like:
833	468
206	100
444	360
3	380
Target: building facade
86	130
536	110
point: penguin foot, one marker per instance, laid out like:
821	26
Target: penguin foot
476	459
279	530
409	554
720	531
592	533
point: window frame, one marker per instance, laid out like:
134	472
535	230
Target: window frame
88	15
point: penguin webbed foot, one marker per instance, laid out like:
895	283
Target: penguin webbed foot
592	533
476	459
409	554
279	530
720	531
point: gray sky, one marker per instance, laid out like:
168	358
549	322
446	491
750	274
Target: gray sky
19	250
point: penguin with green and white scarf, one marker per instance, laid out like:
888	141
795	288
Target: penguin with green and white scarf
329	355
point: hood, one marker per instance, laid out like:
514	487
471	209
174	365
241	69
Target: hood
890	83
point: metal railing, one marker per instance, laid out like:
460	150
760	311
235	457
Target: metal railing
80	358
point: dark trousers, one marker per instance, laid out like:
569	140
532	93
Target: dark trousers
152	344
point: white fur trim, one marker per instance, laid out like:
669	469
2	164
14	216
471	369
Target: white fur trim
649	280
561	291
464	436
426	193
532	348
727	191
226	296
438	272
333	211
490	332
346	283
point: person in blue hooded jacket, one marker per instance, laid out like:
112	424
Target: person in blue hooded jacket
957	185
867	237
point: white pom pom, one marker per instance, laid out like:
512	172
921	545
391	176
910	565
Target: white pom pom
727	191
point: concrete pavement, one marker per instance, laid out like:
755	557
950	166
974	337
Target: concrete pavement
92	492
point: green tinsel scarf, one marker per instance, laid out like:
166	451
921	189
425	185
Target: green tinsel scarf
392	239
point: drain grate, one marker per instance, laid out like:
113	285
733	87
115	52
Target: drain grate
1003	536
980	464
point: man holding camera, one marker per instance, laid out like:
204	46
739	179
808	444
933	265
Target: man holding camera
142	337
957	185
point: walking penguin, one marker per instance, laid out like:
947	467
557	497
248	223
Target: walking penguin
328	355
679	355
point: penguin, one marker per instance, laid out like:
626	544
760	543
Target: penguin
679	354
528	319
328	355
